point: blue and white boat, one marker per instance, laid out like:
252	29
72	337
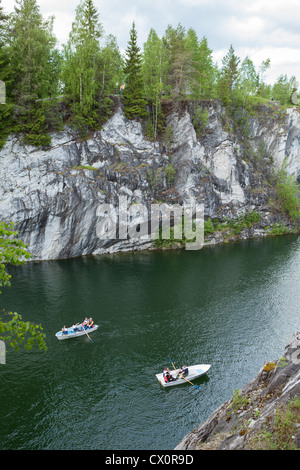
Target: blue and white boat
74	331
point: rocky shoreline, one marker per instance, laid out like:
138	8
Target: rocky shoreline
264	415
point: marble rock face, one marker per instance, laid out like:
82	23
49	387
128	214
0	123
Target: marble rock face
55	196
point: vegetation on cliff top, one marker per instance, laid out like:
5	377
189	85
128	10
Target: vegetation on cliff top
45	84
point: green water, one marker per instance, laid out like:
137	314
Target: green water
231	306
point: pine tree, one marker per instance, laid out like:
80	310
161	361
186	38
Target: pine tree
5	101
207	70
154	69
153	65
134	102
110	76
230	68
31	43
3	26
82	56
249	79
178	60
191	45
282	89
228	77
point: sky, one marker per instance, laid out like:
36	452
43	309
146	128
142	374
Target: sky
259	29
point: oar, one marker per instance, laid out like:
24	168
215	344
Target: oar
87	334
189	381
173	365
184	377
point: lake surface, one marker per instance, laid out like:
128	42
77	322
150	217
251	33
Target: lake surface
232	306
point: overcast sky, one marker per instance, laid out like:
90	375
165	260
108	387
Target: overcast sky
260	29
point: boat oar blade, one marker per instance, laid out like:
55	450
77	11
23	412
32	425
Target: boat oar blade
189	382
88	335
173	365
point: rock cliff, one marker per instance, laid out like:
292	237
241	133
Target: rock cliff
264	415
52	195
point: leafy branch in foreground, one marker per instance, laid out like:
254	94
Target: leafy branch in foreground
16	331
12	251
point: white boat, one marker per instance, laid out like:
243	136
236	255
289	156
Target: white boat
193	372
73	332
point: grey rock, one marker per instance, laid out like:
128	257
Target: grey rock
52	195
237	426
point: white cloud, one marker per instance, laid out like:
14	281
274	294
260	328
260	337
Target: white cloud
274	6
250	26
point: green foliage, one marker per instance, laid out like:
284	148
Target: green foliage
154	69
283	88
15	331
110	76
6	122
249	79
5	109
200	120
288	194
232	226
228	77
90	69
280	431
238	401
82	56
209	227
207	71
33	70
153	64
279	229
167	137
170	173
134	102
171	242
12	251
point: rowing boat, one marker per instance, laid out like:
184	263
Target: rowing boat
73	332
193	372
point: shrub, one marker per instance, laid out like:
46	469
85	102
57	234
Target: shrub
288	194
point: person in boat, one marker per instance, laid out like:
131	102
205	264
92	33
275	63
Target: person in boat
183	371
167	375
64	330
75	327
85	321
90	323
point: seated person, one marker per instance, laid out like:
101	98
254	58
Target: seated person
90	323
75	327
167	375
64	330
183	371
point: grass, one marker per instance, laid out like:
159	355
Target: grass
231	226
280	431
